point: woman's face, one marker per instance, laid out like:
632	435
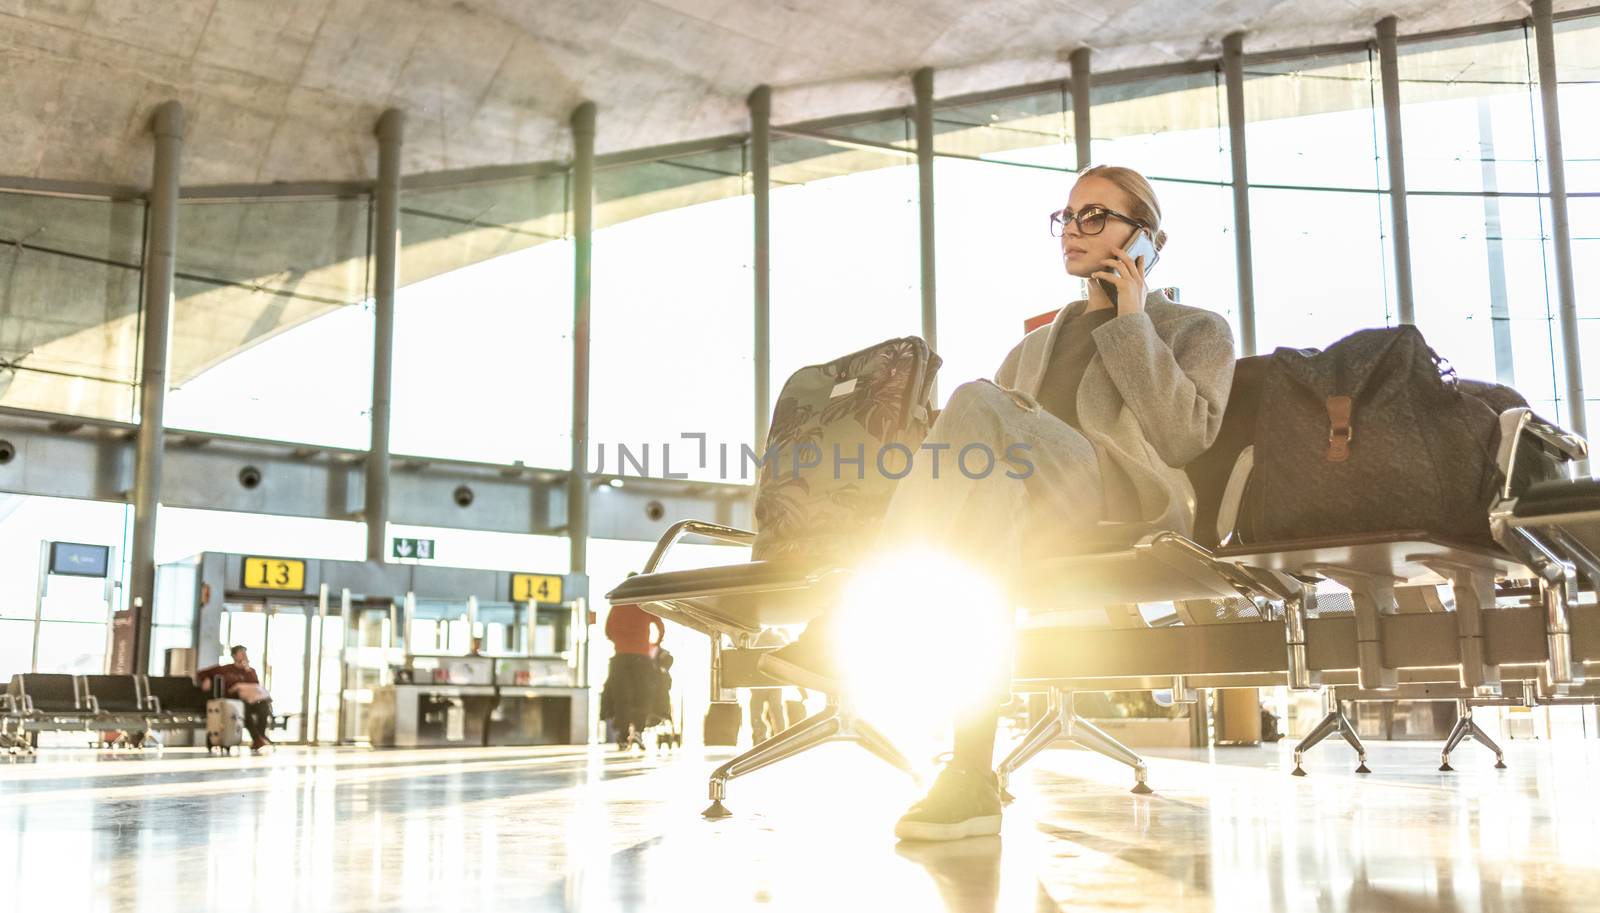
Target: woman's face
1085	254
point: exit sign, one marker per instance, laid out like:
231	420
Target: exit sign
413	548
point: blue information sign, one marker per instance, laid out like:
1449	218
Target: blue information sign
78	560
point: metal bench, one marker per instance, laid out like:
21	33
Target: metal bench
137	706
42	702
1396	640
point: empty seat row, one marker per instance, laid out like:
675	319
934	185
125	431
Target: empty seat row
138	704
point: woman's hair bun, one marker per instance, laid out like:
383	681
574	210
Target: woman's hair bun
1146	208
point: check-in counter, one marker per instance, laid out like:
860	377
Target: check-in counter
532	715
427	714
539	704
479	700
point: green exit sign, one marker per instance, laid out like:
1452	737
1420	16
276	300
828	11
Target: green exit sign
413	548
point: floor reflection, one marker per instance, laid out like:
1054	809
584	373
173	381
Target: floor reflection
579	829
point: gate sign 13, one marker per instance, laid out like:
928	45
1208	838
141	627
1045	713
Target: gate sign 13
274	574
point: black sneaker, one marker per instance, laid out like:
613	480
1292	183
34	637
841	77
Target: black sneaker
962	803
807	663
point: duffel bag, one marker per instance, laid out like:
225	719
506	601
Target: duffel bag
1373	434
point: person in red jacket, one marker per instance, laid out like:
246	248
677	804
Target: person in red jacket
633	689
239	681
628	629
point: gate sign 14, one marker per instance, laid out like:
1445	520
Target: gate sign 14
541	588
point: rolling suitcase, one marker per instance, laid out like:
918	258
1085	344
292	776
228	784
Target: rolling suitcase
722	724
793	712
224	724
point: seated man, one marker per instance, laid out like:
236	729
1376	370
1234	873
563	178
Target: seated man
240	682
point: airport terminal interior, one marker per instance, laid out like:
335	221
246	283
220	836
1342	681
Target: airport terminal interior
486	455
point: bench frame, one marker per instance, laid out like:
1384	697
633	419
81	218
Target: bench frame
20	722
1399	642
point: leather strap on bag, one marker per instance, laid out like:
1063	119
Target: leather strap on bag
1339	430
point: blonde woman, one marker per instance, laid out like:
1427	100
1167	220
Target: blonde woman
1092	418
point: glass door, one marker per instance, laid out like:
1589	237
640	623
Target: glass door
327	674
283	666
368	656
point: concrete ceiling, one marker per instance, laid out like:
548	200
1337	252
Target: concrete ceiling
289	89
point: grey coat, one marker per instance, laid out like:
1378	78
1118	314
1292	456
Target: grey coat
1151	401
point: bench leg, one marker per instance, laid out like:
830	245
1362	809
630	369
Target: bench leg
1334	722
808	733
1467	728
1062	721
1047	730
19	742
833	723
1095	739
874	741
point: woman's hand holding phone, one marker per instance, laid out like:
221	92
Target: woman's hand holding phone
1126	275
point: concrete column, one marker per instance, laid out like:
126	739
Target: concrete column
386	276
160	261
1081	105
1389	71
583	121
1555	164
922	86
1233	74
761	263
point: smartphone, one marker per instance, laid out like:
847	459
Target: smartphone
1139	246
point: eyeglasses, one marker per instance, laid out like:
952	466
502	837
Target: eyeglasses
1091	221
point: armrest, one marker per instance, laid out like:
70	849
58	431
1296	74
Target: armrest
94	704
699	527
152	703
1519	426
1556	439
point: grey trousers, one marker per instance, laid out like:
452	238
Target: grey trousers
766	714
988	518
949	501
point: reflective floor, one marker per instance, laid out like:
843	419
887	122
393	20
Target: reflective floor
573	829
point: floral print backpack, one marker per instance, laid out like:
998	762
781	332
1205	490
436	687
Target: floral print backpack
842	434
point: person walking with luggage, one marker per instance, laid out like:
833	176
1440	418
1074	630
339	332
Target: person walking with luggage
633	680
241	683
1111	400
